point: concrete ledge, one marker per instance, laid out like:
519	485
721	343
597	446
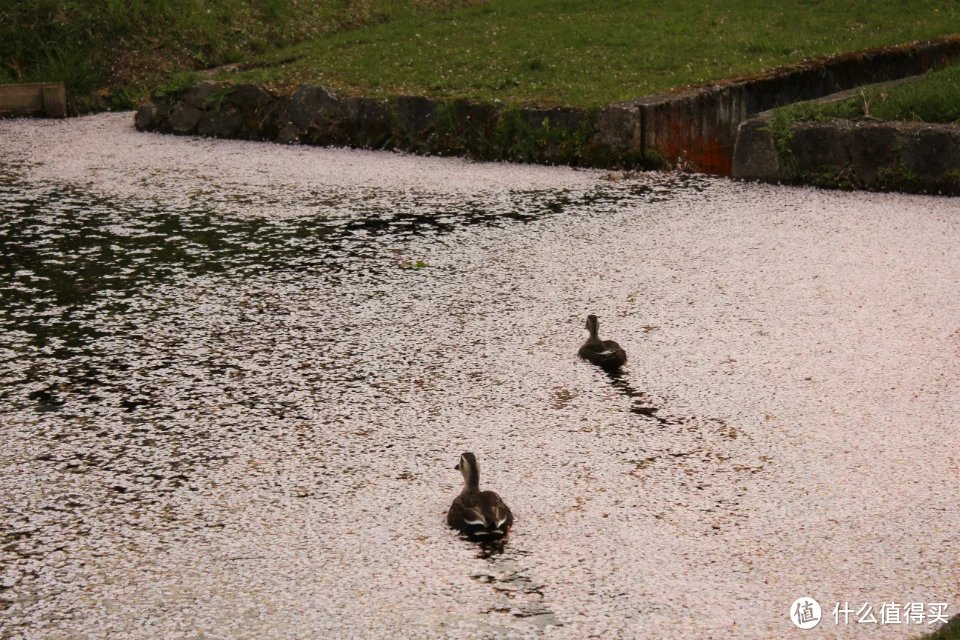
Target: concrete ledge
316	115
40	98
912	157
695	129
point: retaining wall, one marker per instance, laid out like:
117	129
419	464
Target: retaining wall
698	128
316	115
694	129
914	157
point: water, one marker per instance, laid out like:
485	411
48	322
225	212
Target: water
232	409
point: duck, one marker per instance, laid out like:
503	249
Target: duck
606	354
478	514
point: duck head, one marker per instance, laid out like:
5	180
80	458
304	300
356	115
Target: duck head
593	325
469	468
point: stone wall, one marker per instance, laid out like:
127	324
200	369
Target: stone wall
694	129
316	115
913	157
697	129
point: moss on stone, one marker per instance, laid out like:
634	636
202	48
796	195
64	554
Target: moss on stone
781	130
483	131
899	180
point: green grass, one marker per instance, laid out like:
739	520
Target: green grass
933	98
549	52
111	53
591	52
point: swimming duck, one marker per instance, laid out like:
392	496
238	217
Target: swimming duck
606	354
479	514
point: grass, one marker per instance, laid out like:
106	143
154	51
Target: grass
112	53
933	98
590	52
583	53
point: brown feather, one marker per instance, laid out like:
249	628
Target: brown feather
476	513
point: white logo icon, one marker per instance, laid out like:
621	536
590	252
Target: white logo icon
805	612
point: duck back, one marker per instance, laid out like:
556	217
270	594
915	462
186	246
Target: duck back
606	354
480	515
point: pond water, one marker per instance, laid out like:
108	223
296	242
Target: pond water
235	379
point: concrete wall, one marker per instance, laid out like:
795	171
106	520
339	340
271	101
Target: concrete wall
694	129
697	129
914	157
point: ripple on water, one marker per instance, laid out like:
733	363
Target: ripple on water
226	421
145	347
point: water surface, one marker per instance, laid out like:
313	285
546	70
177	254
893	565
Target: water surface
234	392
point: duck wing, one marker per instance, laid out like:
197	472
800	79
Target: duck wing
482	515
498	514
614	351
466	514
607	354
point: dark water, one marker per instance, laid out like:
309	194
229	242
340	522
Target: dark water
143	348
223	419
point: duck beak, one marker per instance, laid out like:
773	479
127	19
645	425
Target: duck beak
457	467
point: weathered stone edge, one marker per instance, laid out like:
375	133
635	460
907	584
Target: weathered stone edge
695	129
914	157
698	127
316	115
756	156
910	157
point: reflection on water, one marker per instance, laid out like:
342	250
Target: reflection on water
231	392
639	404
69	258
518	595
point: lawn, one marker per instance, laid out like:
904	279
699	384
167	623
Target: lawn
582	53
113	53
933	98
591	52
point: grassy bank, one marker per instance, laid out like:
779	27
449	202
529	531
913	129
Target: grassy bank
934	98
549	52
111	53
590	52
